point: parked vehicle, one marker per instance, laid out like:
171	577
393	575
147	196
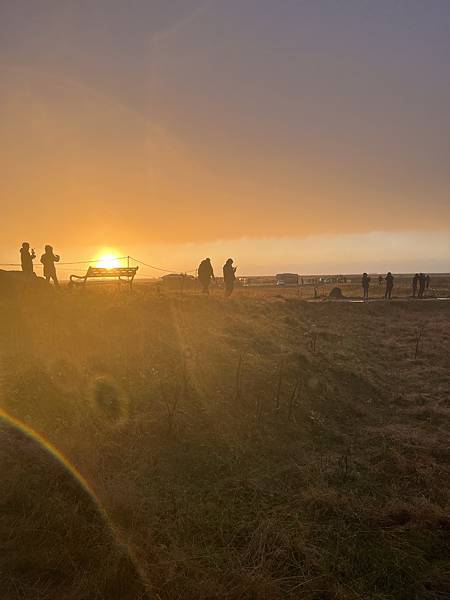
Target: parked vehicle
286	279
179	281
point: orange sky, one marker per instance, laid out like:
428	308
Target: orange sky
205	134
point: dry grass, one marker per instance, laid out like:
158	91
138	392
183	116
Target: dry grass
257	448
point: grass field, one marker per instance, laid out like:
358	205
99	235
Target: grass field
262	447
439	288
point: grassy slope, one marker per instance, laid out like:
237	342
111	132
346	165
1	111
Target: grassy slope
236	460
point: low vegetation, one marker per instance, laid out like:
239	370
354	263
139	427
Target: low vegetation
262	447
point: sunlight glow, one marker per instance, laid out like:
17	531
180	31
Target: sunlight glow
108	261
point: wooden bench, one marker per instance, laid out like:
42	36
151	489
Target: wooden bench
122	274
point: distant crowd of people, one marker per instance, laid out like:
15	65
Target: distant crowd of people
420	283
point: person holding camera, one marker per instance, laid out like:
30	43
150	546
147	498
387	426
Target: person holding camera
48	259
229	277
26	259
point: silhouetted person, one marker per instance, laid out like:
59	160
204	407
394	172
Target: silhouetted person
26	258
427	281
48	259
422	283
415	283
389	286
205	274
229	276
365	281
380	279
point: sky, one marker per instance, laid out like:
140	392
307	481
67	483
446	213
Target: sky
304	135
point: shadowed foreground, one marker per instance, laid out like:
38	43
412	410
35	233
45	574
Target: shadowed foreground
55	542
250	449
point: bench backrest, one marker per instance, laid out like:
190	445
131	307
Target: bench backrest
114	272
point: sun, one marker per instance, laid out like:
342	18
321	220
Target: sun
108	260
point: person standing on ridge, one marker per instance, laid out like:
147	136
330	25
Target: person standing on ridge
229	277
205	274
415	283
48	259
26	259
389	285
365	281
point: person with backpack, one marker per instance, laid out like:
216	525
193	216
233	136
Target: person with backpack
205	274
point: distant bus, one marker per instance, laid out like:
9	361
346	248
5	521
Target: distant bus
286	279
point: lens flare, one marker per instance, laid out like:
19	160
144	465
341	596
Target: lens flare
57	454
8	420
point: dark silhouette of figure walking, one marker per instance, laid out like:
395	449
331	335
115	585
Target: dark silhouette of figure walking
380	279
422	283
427	281
229	276
389	285
365	281
26	258
205	274
48	259
415	283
